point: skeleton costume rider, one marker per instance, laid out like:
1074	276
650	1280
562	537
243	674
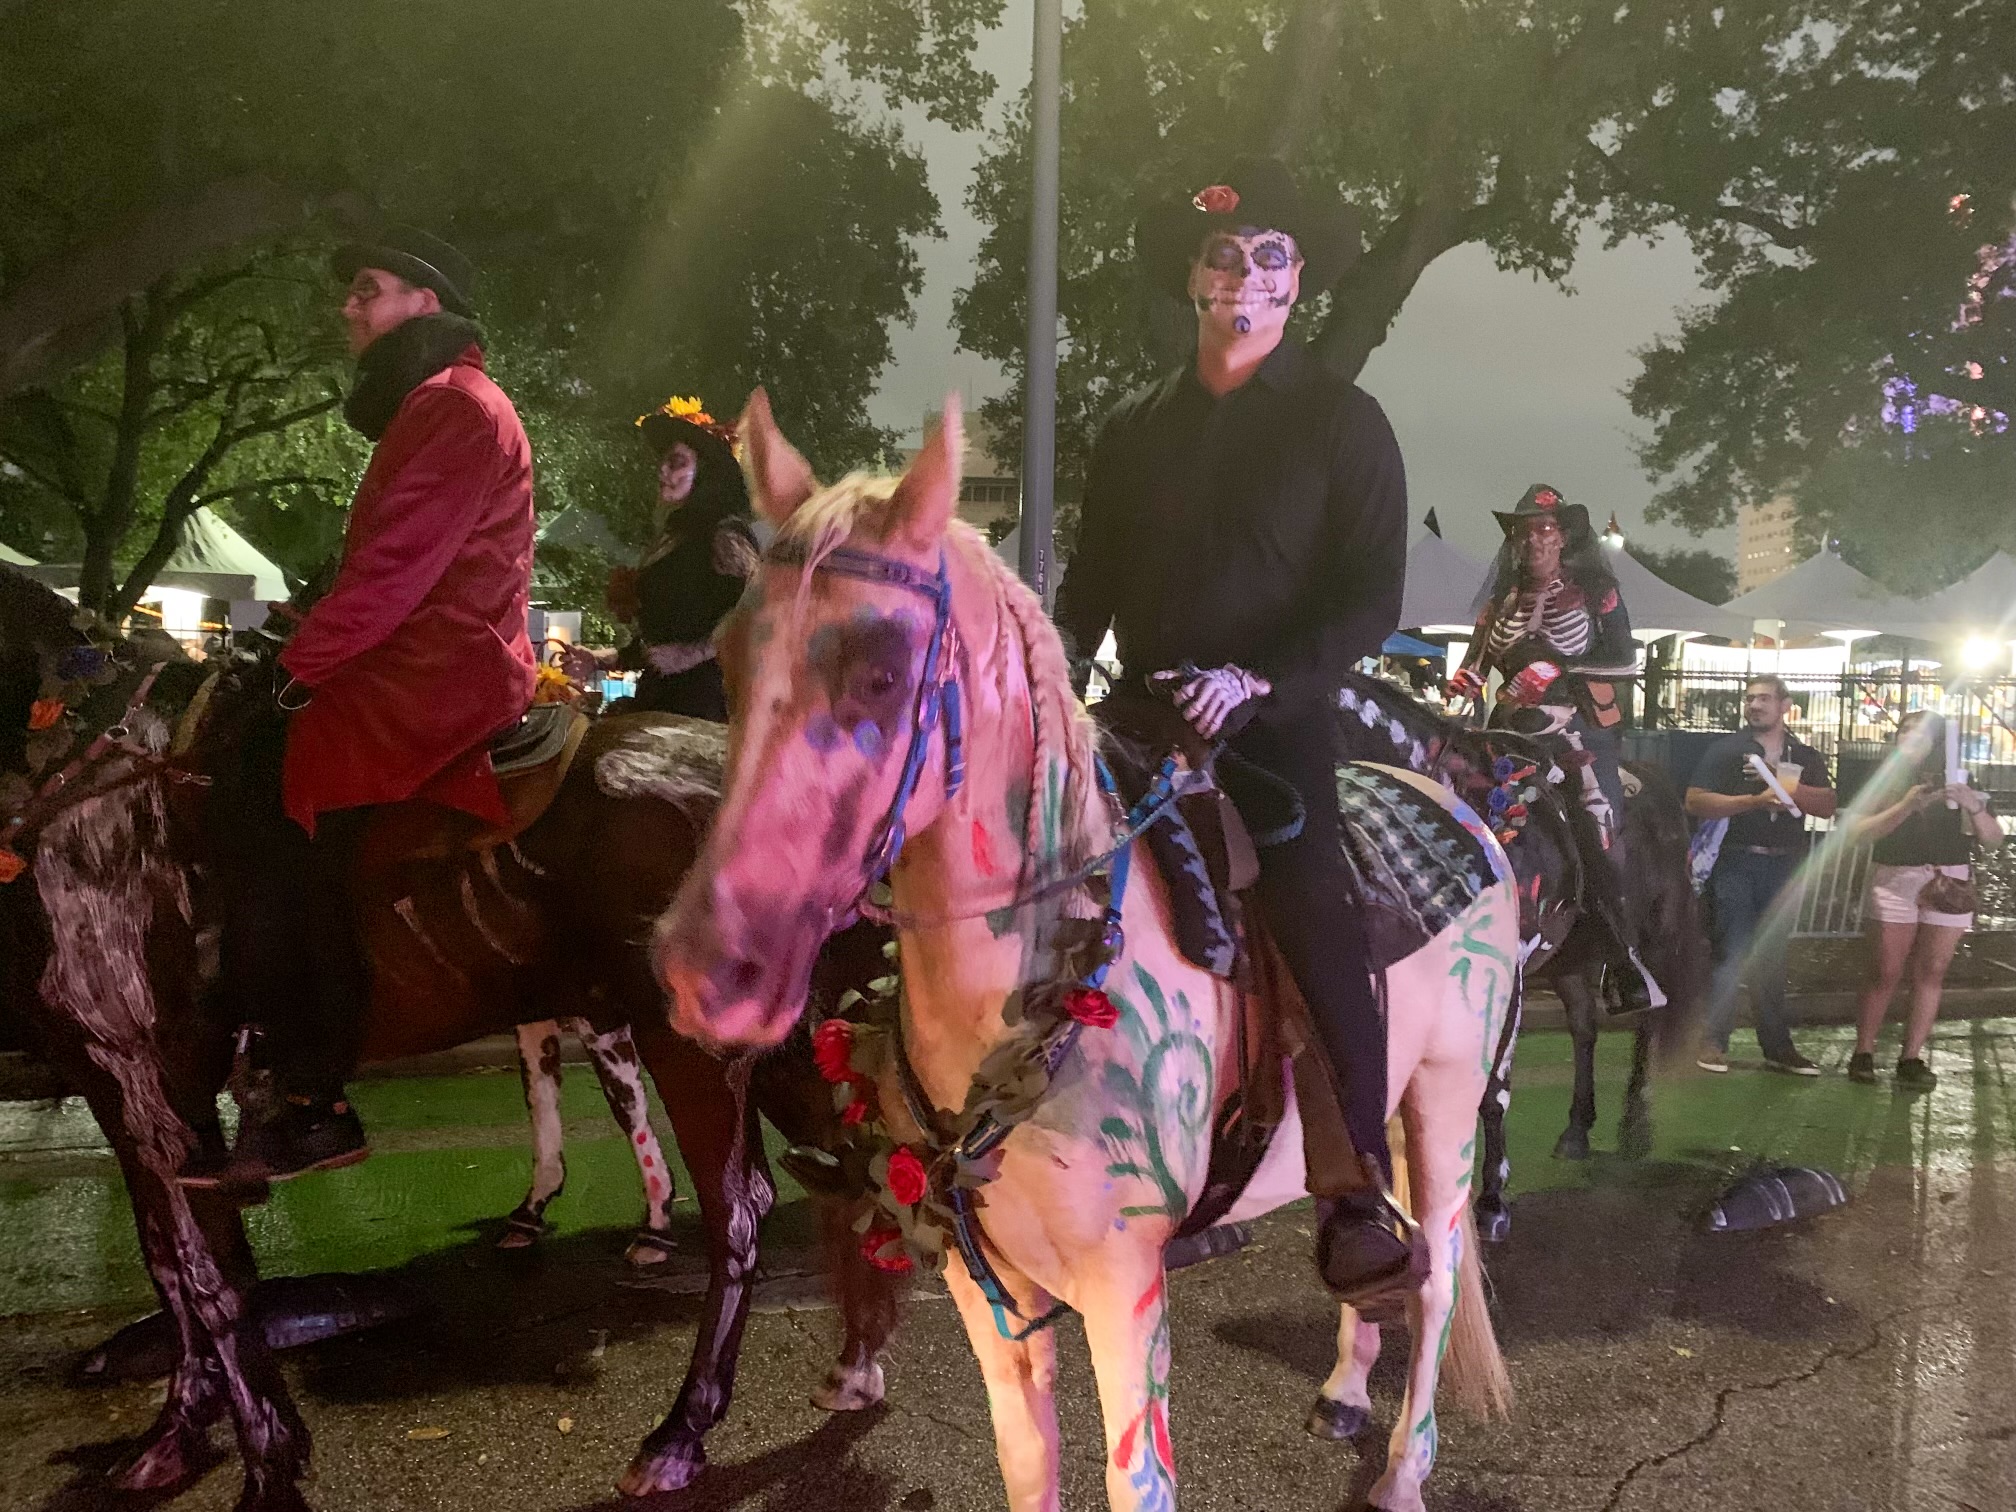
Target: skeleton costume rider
1554	627
1244	537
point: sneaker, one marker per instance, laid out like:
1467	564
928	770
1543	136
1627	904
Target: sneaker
1713	1059
1862	1067
1792	1063
304	1135
1914	1075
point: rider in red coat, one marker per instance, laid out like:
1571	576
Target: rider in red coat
419	653
395	682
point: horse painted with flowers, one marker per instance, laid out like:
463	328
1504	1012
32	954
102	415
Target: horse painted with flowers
881	648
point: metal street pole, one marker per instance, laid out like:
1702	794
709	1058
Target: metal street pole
1039	414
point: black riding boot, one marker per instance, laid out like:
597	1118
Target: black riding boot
292	970
1628	987
1366	1246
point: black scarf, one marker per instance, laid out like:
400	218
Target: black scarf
399	362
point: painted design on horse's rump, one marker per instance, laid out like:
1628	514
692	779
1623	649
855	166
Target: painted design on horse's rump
676	760
1172	1093
1483	975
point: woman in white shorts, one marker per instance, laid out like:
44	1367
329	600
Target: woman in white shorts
1921	892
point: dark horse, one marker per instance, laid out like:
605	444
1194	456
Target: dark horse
102	935
1381	723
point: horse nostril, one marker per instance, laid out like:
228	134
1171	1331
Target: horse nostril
744	976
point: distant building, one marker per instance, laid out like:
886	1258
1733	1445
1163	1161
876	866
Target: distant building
1765	546
990	487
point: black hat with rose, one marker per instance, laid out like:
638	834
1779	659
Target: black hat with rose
1256	194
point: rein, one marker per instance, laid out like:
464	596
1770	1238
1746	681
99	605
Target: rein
54	793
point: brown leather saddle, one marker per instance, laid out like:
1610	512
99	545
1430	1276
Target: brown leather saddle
531	760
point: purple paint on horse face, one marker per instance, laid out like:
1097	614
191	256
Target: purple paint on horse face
866	665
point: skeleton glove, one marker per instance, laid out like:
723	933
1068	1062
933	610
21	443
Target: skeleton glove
1209	699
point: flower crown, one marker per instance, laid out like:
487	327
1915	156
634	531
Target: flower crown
691	412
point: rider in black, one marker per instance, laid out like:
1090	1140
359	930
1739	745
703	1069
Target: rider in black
1247	516
1555	628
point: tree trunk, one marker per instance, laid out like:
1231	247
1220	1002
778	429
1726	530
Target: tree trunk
1305	56
1368	299
106	524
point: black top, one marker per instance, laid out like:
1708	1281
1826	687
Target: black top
1937	836
1266	528
681	596
1724	768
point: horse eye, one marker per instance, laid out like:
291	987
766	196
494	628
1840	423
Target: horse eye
878	680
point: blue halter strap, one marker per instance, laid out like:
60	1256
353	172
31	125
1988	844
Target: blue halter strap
938	695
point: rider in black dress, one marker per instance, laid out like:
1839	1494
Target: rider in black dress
693	572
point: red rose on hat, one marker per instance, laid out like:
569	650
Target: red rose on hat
1546	498
1219	199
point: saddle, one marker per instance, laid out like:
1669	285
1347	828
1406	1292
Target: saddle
531	760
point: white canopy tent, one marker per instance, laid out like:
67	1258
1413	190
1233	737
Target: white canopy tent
1981	606
213	562
1823	595
14	558
1443	584
1658	609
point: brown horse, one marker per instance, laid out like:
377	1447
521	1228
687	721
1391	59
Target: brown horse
102	936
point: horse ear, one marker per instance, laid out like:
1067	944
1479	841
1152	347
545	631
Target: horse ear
925	498
779	478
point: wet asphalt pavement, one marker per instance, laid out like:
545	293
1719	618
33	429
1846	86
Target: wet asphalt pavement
1862	1360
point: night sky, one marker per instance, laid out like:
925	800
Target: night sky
1493	380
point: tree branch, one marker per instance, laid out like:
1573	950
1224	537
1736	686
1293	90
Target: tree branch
1781	232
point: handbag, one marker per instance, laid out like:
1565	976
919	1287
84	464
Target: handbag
1948	895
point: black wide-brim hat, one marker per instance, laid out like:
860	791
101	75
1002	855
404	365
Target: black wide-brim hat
1258	194
1543	500
708	437
419	257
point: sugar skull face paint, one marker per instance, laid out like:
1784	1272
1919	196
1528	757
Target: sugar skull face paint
1246	281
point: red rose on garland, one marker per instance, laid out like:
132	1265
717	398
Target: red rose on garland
855	1113
44	712
833	1048
1091	1007
907	1181
876	1249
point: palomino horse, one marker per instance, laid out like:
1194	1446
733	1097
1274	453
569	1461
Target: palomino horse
100	936
878	633
1563	946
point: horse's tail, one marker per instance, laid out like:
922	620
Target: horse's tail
1474	1366
1669	914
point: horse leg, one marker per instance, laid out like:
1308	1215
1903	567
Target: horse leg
868	1304
1344	1405
1634	1129
1021	1377
1438	1115
1580	1002
1494	1218
614	1057
219	1337
1127	1327
539	1070
714	1122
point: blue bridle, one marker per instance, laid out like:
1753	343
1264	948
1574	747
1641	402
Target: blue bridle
938	695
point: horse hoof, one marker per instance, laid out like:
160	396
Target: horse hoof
1572	1145
1494	1225
850	1390
1634	1141
276	1496
648	1249
1336	1421
673	1470
172	1459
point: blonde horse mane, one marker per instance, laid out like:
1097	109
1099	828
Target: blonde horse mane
1022	637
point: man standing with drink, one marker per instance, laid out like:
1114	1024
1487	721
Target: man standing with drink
1764	783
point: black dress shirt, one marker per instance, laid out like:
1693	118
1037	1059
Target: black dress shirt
1266	528
1725	768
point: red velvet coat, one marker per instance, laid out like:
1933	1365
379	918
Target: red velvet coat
419	653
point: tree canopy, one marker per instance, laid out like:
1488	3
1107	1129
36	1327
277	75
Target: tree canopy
661	195
1807	148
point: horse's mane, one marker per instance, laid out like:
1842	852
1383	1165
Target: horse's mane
861	503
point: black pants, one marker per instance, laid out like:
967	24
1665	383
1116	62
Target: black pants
289	953
1307	895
